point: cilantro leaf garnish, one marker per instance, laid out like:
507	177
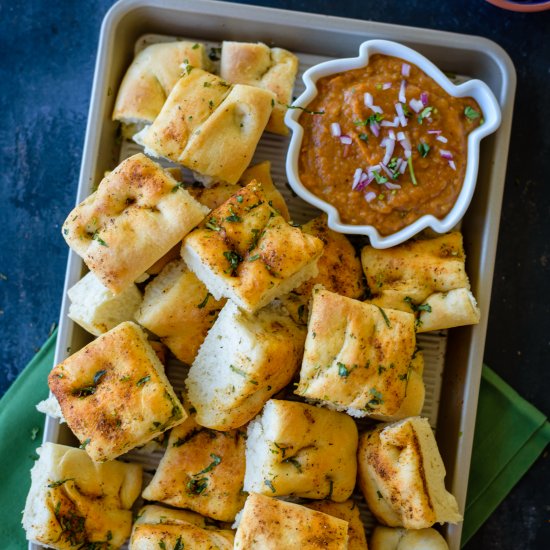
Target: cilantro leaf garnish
470	113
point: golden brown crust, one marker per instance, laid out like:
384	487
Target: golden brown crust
178	308
150	78
388	538
202	470
271	524
137	214
273	69
339	270
246	251
357	356
348	511
114	394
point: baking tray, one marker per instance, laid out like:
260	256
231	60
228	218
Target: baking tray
128	21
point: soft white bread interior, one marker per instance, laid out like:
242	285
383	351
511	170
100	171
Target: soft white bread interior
273	69
178	308
271	524
114	393
401	475
74	501
96	309
244	360
300	450
50	406
395	538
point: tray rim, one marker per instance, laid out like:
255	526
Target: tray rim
318	22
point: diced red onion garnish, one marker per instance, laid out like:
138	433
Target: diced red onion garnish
391	135
424	98
437	132
388	124
369	102
390	146
375	168
405	69
402	167
446	154
387	170
452	164
386	86
390	185
335	129
398	163
400	136
416	105
383	142
401	114
346	140
356	178
402	96
370	196
442	139
375	128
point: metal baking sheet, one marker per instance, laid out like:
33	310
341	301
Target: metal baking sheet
315	37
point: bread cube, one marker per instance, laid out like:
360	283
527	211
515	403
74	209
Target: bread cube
247	252
150	79
96	309
401	475
271	524
348	511
395	538
114	393
75	502
158	527
202	470
209	126
418	276
339	270
177	307
259	65
299	450
358	358
137	214
244	360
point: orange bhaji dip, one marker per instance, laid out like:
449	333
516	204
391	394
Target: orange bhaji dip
385	144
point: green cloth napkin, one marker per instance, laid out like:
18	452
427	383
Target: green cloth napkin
508	430
510	435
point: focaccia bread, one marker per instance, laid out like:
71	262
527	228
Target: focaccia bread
299	450
202	470
271	524
273	69
418	275
178	308
348	511
137	214
401	475
150	78
96	309
395	538
358	358
114	393
209	126
75	502
244	360
158	527
339	270
247	252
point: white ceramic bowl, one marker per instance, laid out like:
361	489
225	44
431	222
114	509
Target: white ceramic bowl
472	88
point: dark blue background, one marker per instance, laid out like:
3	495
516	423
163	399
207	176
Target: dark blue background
46	68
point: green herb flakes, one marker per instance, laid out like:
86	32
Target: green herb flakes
470	113
342	370
85	443
423	149
97	238
305	110
144	380
215	462
60	482
197	486
212	224
425	113
205	301
234	260
411	170
383	313
269	484
295	463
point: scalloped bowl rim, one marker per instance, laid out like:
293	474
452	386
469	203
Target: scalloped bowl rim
472	88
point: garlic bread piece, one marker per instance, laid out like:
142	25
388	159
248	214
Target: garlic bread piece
396	538
75	502
114	394
299	450
273	69
244	360
137	214
271	524
247	252
358	358
202	470
401	475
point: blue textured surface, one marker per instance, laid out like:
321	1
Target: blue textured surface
46	74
